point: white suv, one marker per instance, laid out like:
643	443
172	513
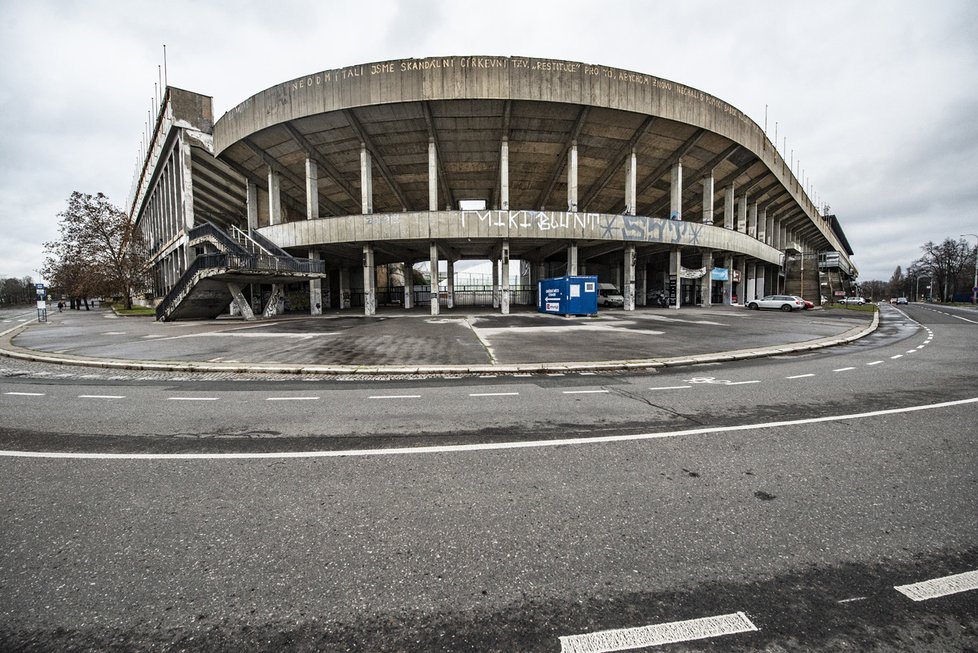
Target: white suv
783	302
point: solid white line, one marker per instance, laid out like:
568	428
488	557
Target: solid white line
623	639
585	392
962	318
291	398
672	387
874	363
799	376
844	369
493	394
25	394
936	587
191	398
101	396
489	446
395	397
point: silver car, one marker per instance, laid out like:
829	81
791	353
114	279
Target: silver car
785	303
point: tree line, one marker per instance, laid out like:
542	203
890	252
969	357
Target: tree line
14	290
99	253
945	271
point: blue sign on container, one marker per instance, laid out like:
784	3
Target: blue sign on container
568	295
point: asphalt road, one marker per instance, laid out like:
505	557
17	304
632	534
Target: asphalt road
500	513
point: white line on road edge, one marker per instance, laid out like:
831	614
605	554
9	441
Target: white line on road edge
624	639
488	446
934	588
25	394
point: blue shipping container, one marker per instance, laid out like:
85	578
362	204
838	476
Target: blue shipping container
568	295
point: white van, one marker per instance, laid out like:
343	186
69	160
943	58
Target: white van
608	295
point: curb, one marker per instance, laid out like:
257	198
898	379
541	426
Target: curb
9	350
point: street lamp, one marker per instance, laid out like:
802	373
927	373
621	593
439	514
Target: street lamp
916	292
974	287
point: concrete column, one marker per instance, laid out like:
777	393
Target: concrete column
312	190
504	175
275	300
239	302
450	302
751	281
495	283
541	269
369	281
675	263
274	197
729	219
629	277
641	283
432	176
572	259
728	262
631	182
752	220
504	298
572	177
759	279
708	199
366	180
345	300
408	284
742	284
769	231
775	233
315	290
742	215
762	226
251	195
435	305
676	192
706	281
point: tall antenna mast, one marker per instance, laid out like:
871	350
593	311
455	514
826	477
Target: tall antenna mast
164	66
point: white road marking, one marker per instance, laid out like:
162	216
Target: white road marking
920	346
114	333
844	369
191	398
488	446
912	351
936	587
672	387
25	394
874	363
741	382
101	396
291	398
623	639
962	318
493	394
896	357
394	397
799	376
853	599
585	392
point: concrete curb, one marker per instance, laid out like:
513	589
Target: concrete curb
9	350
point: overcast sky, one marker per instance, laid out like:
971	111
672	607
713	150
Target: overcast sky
878	100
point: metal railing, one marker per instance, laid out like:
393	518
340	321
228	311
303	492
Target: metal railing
208	229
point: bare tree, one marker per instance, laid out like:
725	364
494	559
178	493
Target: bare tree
99	253
947	263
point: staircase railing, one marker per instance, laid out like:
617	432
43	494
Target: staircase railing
230	244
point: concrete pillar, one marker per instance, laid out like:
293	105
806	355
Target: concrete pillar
495	283
742	215
275	300
274	197
408	284
752	220
572	177
631	183
641	283
706	281
435	305
504	175
751	281
315	290
504	298
369	281
728	262
312	190
775	233
239	301
762	226
366	181
729	220
432	176
676	192
251	200
708	199
675	264
629	277
450	301
345	299
759	279
769	230
742	284
572	269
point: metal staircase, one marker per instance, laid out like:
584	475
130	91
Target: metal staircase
209	285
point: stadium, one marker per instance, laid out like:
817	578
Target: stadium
346	188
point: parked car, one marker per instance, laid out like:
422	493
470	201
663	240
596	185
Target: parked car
782	302
608	295
852	301
808	304
902	300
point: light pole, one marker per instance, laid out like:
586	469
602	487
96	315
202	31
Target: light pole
974	287
916	292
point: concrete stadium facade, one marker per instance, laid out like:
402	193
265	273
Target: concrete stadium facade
569	168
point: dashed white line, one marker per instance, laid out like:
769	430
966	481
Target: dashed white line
623	639
896	357
844	369
853	599
920	346
493	394
672	387
25	394
741	382
799	376
585	392
874	363
291	398
937	587
101	396
191	398
394	397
